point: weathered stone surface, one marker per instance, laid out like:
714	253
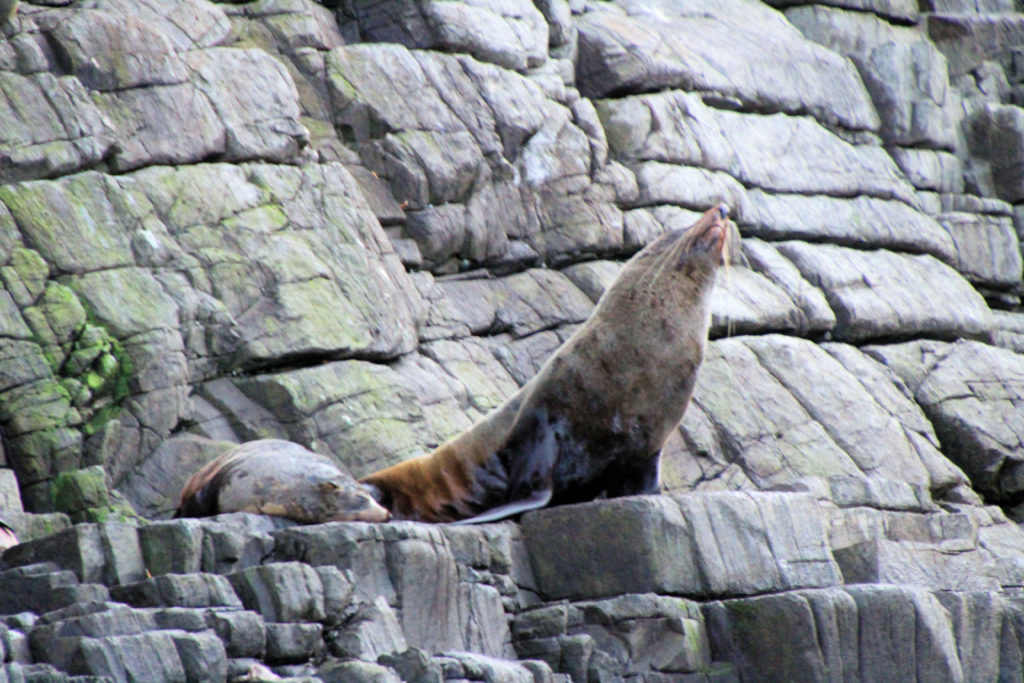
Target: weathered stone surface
573	551
372	631
972	394
463	148
859	222
905	74
858	632
202	655
967	39
281	592
334	671
902	10
38	112
44	587
987	249
178	590
632	635
96	553
993	134
292	643
757	150
930	169
780	409
791	74
512	34
876	294
261	120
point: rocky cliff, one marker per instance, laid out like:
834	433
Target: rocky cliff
360	226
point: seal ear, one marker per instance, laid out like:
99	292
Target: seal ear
328	486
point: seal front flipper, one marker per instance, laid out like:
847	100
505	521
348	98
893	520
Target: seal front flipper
538	500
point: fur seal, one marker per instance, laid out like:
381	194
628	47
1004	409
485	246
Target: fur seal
595	417
278	478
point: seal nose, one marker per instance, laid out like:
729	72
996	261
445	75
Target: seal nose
723	211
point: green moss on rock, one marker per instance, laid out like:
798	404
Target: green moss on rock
79	490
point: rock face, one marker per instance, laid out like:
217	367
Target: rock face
361	226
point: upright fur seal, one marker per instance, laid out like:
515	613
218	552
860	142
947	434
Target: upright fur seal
279	478
594	418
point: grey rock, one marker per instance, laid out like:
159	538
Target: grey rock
993	135
43	587
415	665
339	591
189	24
202	655
97	553
260	121
10	496
902	10
39	110
905	74
805	395
290	643
850	637
862	222
815	316
371	632
1009	332
522	304
335	671
612	38
179	590
149	656
891	303
172	547
987	249
634	635
477	667
748	302
511	33
435	607
679	555
142	117
281	592
93	41
968	390
759	151
968	39
930	169
348	546
243	632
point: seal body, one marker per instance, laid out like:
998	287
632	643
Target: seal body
595	417
279	478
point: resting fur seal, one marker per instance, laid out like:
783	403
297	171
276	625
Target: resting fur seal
594	418
278	478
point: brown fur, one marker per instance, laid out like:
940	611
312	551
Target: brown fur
595	417
279	478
